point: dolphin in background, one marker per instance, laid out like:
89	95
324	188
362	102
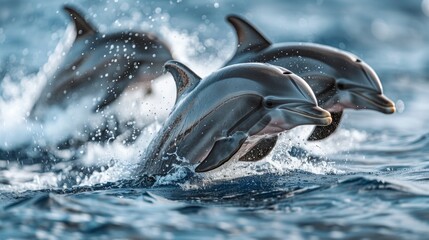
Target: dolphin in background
100	66
218	118
338	78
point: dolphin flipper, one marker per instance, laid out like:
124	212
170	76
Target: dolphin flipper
260	150
113	93
321	132
110	97
249	39
82	27
222	151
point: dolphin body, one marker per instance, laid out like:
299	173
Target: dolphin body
100	66
339	79
220	117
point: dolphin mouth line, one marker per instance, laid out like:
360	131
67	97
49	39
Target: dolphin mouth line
315	117
388	108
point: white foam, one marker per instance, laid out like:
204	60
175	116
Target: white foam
16	130
122	160
145	109
23	178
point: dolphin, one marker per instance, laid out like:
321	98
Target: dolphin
220	117
100	66
338	78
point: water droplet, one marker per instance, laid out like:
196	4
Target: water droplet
400	106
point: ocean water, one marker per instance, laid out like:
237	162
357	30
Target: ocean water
367	181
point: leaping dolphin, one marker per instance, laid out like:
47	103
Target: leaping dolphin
220	117
338	78
100	66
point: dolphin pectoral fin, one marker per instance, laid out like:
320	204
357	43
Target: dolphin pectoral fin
260	150
110	97
114	92
249	39
82	26
185	78
221	152
322	132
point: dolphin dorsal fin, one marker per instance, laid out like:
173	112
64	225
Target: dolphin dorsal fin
82	26
185	78
249	39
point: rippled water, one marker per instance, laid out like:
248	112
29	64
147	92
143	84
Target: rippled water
369	180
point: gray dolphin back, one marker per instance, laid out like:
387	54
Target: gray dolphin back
99	67
220	117
251	40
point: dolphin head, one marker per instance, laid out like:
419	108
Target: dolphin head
292	104
359	87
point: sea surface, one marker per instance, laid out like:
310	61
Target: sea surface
369	180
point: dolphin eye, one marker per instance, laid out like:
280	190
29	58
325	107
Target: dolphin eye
358	60
287	72
341	86
269	103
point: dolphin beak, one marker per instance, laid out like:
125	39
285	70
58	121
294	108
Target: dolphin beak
374	101
309	114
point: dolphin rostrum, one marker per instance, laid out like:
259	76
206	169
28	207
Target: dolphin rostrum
220	117
339	79
100	66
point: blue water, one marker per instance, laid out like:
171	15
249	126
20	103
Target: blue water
369	180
